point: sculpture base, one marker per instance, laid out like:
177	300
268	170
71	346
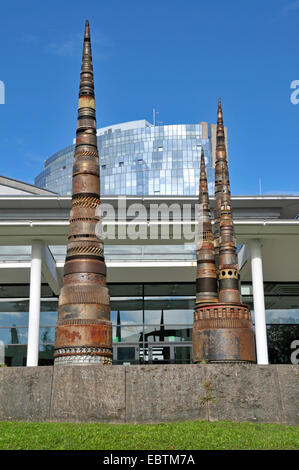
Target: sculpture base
82	356
83	342
223	334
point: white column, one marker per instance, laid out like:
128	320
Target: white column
259	301
34	303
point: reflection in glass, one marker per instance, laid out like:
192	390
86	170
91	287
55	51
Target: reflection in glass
48	312
171	316
128	317
280	316
45	357
47	335
280	338
168	333
171	289
125	355
17	290
14	335
119	290
164	315
127	334
160	354
15	355
183	355
290	315
14	313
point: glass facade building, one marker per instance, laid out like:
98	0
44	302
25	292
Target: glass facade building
138	158
152	323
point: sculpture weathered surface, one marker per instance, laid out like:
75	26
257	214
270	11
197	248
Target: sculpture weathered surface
222	328
83	330
206	277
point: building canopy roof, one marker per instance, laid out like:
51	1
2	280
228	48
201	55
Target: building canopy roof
12	187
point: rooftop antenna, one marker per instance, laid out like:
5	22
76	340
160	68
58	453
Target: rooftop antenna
260	185
155	122
154	117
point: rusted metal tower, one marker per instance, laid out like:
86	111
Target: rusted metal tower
83	330
222	328
221	167
206	276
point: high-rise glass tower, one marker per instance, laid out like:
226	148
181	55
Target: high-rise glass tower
138	158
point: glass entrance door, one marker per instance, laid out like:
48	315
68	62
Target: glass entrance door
158	353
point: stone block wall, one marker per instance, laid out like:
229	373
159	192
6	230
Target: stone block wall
152	393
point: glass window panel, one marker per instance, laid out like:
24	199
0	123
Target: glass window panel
276	316
119	290
47	335
126	304
183	355
5	335
127	334
126	317
280	338
160	354
169	333
170	289
49	313
45	357
14	313
15	356
14	335
125	354
157	311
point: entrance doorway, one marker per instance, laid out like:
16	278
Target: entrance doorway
158	353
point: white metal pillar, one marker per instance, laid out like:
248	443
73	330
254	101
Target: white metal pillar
34	303
259	301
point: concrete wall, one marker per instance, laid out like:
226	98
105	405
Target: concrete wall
157	393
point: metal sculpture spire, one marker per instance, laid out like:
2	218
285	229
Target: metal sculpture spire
206	277
83	330
220	167
228	272
222	327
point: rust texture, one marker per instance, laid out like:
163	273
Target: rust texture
221	167
222	327
206	277
83	330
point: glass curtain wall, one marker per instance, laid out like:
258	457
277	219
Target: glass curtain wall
150	160
152	323
14	330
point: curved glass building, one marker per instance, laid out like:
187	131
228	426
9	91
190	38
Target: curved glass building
139	158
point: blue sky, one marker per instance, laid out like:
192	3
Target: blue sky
177	56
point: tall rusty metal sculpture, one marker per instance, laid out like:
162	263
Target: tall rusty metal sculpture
83	330
222	328
221	167
206	277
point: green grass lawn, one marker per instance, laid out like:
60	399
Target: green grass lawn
168	436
